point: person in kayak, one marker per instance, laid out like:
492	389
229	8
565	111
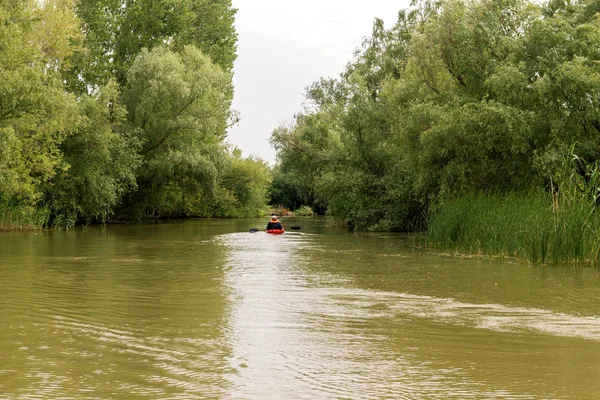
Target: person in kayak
274	223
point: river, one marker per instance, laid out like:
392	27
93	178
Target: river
204	309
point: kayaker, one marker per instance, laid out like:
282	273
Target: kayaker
274	223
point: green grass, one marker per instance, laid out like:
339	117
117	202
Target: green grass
22	218
536	228
18	217
304	211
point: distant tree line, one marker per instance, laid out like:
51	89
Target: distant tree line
457	98
118	109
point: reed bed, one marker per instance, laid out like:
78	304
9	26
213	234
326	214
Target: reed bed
539	228
18	217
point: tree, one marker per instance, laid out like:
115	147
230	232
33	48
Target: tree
212	30
178	109
117	30
101	163
242	187
457	97
36	114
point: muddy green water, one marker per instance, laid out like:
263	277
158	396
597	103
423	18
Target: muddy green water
204	309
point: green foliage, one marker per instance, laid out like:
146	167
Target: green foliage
286	188
341	152
115	107
118	30
36	114
15	215
178	110
101	163
302	150
243	187
457	98
477	146
560	226
212	30
304	211
528	227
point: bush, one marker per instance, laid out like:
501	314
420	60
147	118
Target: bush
15	216
304	211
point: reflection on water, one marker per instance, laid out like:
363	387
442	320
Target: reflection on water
204	309
300	334
128	312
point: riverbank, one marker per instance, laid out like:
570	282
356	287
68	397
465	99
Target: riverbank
22	218
533	228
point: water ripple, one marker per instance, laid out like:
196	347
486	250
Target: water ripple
298	334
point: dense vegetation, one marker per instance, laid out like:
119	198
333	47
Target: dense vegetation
460	102
113	109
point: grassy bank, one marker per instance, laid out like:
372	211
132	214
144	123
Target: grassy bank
17	217
537	228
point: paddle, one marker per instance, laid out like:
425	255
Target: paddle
294	228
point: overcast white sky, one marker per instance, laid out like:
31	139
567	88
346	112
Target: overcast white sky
284	46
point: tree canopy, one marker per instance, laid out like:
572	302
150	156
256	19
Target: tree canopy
119	109
457	97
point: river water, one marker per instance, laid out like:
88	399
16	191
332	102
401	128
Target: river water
204	309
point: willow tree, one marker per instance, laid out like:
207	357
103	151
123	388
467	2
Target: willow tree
341	149
178	109
117	30
101	160
455	133
36	113
242	187
460	97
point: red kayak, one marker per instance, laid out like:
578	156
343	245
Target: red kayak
275	231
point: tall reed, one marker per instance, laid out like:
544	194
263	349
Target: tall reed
16	216
535	227
560	226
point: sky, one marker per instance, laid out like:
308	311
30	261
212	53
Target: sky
284	46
